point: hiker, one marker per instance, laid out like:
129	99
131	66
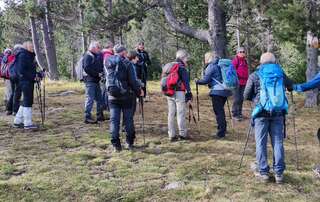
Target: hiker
133	58
14	100
142	65
25	65
179	98
122	87
269	114
6	59
241	66
93	67
106	53
218	94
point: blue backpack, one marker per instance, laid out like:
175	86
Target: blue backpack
272	90
229	75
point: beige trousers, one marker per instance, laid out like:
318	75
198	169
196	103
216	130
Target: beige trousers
177	106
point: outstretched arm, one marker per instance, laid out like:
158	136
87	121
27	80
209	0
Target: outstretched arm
314	83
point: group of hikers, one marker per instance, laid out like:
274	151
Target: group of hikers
115	78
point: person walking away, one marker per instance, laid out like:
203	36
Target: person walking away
266	88
14	100
180	98
218	94
122	88
142	65
241	66
93	67
25	65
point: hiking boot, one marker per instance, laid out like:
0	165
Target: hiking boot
184	137
31	127
101	119
173	139
129	147
9	113
237	118
262	177
18	125
279	178
90	121
117	149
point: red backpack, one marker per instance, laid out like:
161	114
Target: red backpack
170	79
6	64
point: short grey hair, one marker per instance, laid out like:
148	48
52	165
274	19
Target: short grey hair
267	57
182	54
94	44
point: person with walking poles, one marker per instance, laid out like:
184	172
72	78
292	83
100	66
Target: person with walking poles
25	65
14	100
175	85
266	88
142	65
241	66
213	78
93	67
122	87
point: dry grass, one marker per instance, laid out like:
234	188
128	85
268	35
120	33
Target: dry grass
70	161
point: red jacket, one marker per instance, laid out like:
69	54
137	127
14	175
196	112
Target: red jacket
106	54
242	69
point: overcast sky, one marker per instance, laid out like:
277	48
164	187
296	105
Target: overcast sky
1	4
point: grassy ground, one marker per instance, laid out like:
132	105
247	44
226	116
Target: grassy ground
70	161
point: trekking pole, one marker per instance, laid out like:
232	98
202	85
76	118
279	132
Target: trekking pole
198	104
295	133
246	143
38	91
142	116
232	124
44	98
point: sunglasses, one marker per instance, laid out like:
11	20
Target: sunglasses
242	52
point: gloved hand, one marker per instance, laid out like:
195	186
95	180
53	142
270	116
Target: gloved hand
188	96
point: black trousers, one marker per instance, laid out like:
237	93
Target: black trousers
218	103
14	101
238	101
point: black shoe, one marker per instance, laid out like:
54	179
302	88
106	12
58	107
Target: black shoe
9	113
20	125
90	121
117	149
101	119
184	137
174	139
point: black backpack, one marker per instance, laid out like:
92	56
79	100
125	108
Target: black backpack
113	83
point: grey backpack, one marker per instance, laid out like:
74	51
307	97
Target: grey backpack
80	73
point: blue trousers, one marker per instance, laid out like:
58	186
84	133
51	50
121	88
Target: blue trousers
93	93
274	127
27	88
115	117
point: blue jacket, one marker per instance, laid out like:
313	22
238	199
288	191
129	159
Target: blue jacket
314	83
212	73
25	65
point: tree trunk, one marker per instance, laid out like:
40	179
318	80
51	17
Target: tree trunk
312	69
48	39
84	39
217	28
36	44
216	36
